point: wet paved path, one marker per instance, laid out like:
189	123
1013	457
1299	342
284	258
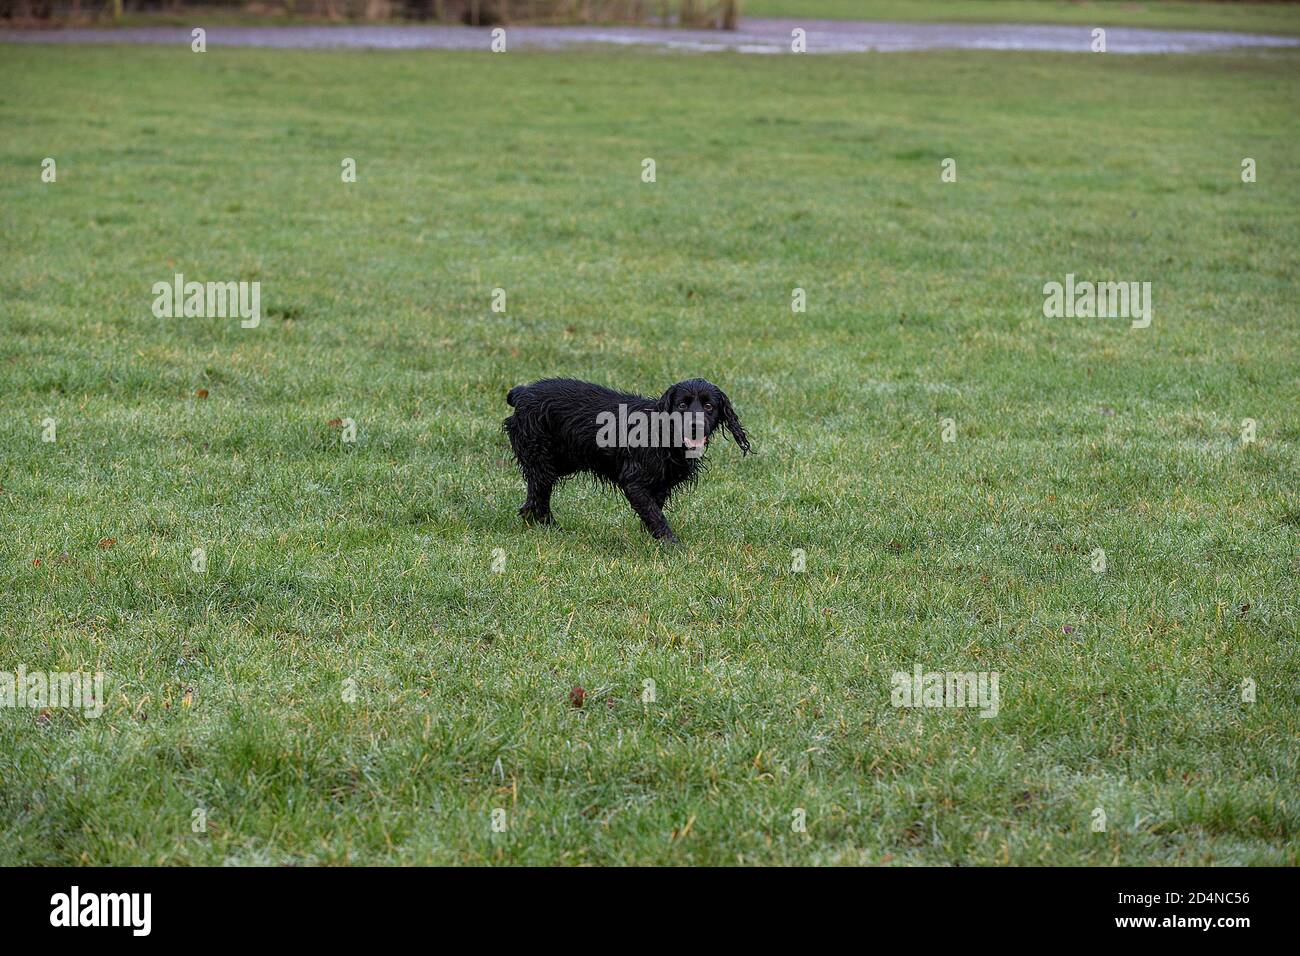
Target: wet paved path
754	36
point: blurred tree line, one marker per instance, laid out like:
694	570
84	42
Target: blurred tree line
719	13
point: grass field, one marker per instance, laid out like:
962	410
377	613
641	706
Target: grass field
1281	18
366	570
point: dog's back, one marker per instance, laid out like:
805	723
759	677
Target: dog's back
564	395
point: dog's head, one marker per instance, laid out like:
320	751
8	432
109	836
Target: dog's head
699	401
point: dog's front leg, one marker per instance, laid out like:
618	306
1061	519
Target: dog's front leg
652	516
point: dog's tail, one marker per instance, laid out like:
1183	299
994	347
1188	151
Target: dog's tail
513	395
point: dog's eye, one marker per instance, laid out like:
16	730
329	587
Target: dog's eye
708	404
681	404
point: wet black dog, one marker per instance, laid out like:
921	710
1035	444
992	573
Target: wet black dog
645	446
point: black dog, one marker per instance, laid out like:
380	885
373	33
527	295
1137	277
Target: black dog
561	427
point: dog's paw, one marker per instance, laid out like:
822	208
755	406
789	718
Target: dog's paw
532	517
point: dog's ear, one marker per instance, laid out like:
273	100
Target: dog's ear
732	421
665	403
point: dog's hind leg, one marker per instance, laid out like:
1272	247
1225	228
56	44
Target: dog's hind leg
537	506
538	473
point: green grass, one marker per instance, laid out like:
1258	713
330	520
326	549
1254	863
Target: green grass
372	562
1265	17
1281	18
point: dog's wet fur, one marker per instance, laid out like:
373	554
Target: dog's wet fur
553	433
